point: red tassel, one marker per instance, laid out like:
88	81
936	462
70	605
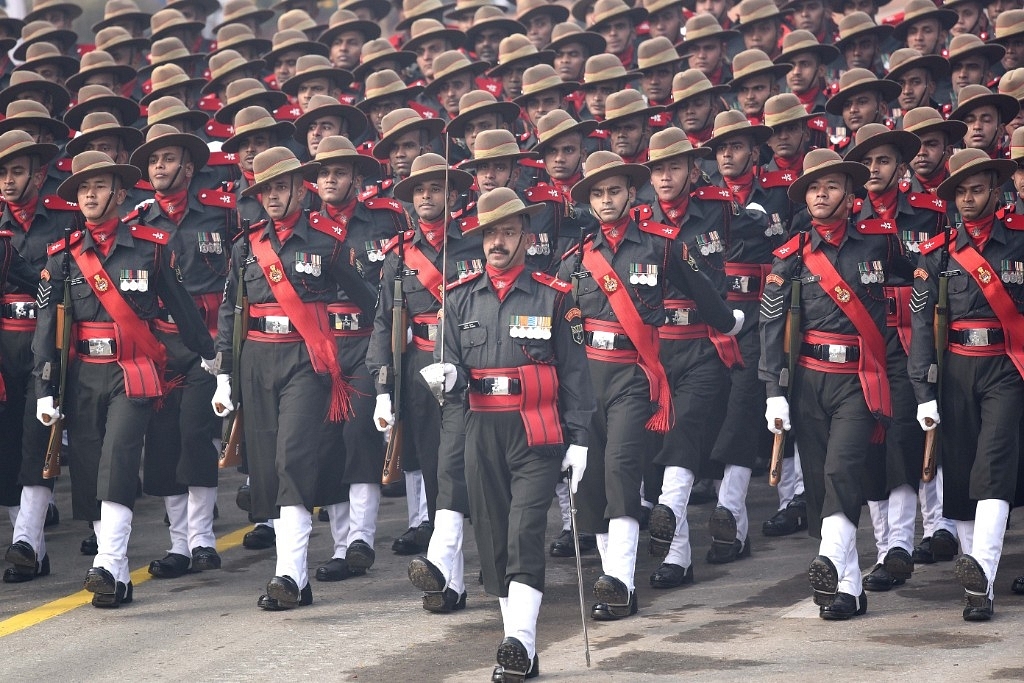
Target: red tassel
663	419
166	388
341	399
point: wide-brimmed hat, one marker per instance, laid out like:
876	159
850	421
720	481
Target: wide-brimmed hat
344	20
375	52
399	122
43	32
672	143
516	49
605	68
168	20
752	11
431	166
1017	145
29	81
821	162
541	78
903	60
731	123
90	164
170	108
967	44
974	96
428	29
567	33
580	8
226	63
243	10
315	66
170	76
873	135
275	163
113	37
1009	24
690	83
477	103
207	6
857	25
23	112
658	51
11	24
752	63
857	81
703	27
448	64
386	84
93	97
355	121
919	10
1012	83
416	10
499	205
299	20
160	136
99	62
785	108
655	6
463	10
528	9
292	40
248	92
378	8
171	50
120	12
17	143
601	165
491	17
556	123
626	104
99	124
40	8
338	148
495	144
921	120
43	53
798	42
610	10
254	119
967	162
237	36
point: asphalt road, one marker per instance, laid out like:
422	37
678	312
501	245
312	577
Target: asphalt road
749	620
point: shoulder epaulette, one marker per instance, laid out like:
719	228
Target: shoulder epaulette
463	279
221	131
553	282
654	228
375	189
150	234
532	163
469	223
642	213
818	123
491	85
144	185
224	200
393	242
542	192
904	185
288	112
464	210
777	178
384	203
1014	221
222	159
722	194
139	209
789	248
83	49
58	246
322	223
935	242
923	200
55	203
64	165
424	111
876	226
600	134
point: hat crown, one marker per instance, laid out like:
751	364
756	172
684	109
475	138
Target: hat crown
669	142
870	130
689	83
799	38
296	20
727	120
224	62
25	76
623	103
341	16
233	34
475	99
969	92
450	61
166	49
399	117
273	163
498	202
165	19
1009	22
751	60
1016	140
88	160
564	29
540	77
817	158
854	77
783	108
855	22
1012	83
427	163
41	50
514	46
383	82
166	75
321	101
498	142
603	67
422	27
335	145
655	51
98	119
487	12
14	137
552	120
600	161
158	130
166	107
234	8
412	8
920	116
26	108
311	62
375	48
92	92
961	158
701	26
244	87
756	10
111	35
904	55
914	8
253	117
117	8
285	37
963	42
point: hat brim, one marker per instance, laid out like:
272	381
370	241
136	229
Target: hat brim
60	97
402	58
208	6
725	35
383	147
507	111
505	24
584	128
714	90
559	13
857	171
937	66
355	120
636	14
281	130
759	133
255	67
460	181
955	130
947	20
378	8
69	65
187	63
342	77
131	137
121	19
406	94
73	10
308	171
1004	169
127	108
122	73
68	190
539	57
45	151
515	156
908	145
193	119
456	38
197	150
527	210
637	174
306	47
191	83
883	31
475	68
137	43
59	130
363	165
646	112
1007	106
593	42
825	53
261	16
406	23
701	152
368	29
268	99
991	52
776	72
189	25
628	76
564	88
890	91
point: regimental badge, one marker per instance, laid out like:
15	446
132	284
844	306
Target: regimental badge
101	283
134	280
210	243
774	279
710	243
539	244
471	267
774	226
275	274
309	264
643	274
375	250
842	294
529	327
984	275
1013	272
913	239
920	274
609	283
871	272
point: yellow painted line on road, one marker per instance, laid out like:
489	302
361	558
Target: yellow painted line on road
20	622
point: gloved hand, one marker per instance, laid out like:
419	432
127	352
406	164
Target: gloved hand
222	405
575	460
383	416
435	373
777	408
928	411
46	412
212	365
740	318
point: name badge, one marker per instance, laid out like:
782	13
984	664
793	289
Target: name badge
529	327
134	280
309	264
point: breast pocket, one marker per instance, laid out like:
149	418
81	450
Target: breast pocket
473	337
958	283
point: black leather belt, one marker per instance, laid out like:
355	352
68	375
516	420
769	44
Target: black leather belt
608	341
348	321
19	310
272	324
831	353
496	386
983	336
426	331
99	348
682	316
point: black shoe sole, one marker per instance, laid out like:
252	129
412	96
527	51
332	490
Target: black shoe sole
425	576
280	594
824	580
360	557
722	526
96	583
662	528
514	660
970	575
19	557
444	602
111	601
611	591
900	565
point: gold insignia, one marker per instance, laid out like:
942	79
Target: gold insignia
101	283
984	275
610	284
842	294
275	274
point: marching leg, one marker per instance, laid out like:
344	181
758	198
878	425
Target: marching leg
290	586
109	579
202	542
729	522
337	568
614	589
976	571
517	656
27	552
178	558
902	512
364	502
669	522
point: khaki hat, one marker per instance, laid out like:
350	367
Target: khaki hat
387	84
605	68
242	10
315	66
672	143
119	13
113	37
491	17
275	163
1012	83
465	9
226	63
626	104
974	96
431	166
541	78
428	29
528	9
206	6
344	20
967	44
338	148
375	52
399	122
1009	24
378	8
99	62
299	20
22	112
873	135
415	10
292	40
167	77
40	54
43	32
40	8
857	25
171	50
236	36
609	10
170	19
856	81
580	8
255	119
499	205
751	63
324	105
90	164
800	41
1016	145
753	11
654	6
479	102
919	10
248	92
568	33
731	123
448	64
785	108
29	81
516	49
93	97
903	60
821	162
702	27
601	165
17	143
160	136
658	51
557	123
170	108
495	144
690	83
99	124
921	120
967	162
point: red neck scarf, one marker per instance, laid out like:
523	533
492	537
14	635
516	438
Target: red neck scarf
832	232
741	186
433	231
250	176
884	204
676	209
638	158
564	186
615	232
341	213
103	233
930	183
663	103
701	135
502	279
173	204
626	57
757	120
979	231
24	212
285	226
794	164
716	76
808	97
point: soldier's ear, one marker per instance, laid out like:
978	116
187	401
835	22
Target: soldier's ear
694	172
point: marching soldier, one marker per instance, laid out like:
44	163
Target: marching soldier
616	22
760	25
986	115
938	137
918	77
707	45
862	98
755	79
810	60
971	61
861	40
405	136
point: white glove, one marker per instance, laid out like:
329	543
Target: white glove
740	318
222	405
435	373
383	416
928	411
575	460
777	408
212	365
46	412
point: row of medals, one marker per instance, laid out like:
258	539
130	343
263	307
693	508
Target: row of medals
871	273
1013	272
529	327
310	266
134	281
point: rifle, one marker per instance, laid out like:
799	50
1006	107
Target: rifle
51	464
941	337
393	455
786	377
234	435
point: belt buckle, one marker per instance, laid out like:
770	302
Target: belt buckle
101	347
679	316
497	386
741	284
346	322
978	337
432	332
837	353
603	340
276	324
24	310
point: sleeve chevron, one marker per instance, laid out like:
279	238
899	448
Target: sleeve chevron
772	306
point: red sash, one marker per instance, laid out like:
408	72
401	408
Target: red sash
643	336
428	274
728	348
323	352
900	319
139	353
537	402
999	299
871	370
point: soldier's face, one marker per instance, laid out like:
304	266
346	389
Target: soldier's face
99	197
542	103
673	177
1018	181
563	157
763	35
619	34
406	148
51	73
1014	53
807	72
983	127
789	140
976	196
866	6
479	124
169	171
425	54
926	36
322	127
657	83
736	156
861	109
809	16
706	55
111	146
345	50
969	21
35	96
20	179
570	60
754	92
310	87
38	133
429	201
486	45
283	197
629	137
667	23
595	97
611	198
493	174
716	8
828	199
918	89
885	168
452	90
59	18
377	111
337	182
970	70
935	149
251	146
1015	123
504	243
284	67
512	80
538	30
860	53
696	113
997	7
104	79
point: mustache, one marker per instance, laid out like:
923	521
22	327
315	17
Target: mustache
498	250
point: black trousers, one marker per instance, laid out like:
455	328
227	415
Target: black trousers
451	459
24	438
422	424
